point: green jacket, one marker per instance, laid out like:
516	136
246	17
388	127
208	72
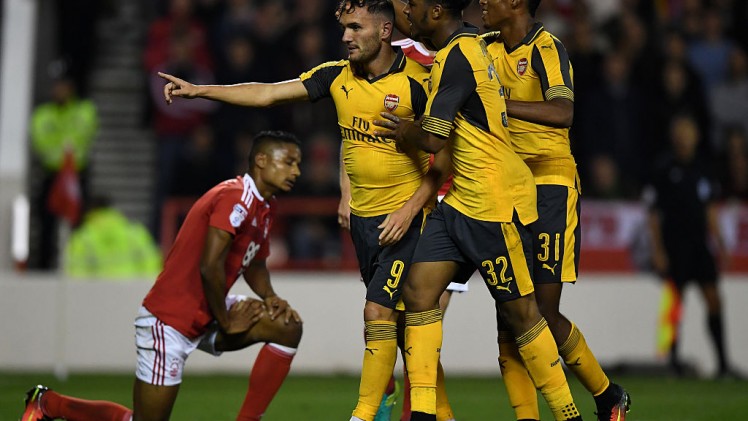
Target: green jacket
56	127
108	246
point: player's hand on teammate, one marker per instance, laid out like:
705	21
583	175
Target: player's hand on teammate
243	315
344	213
395	128
390	127
177	87
394	226
278	307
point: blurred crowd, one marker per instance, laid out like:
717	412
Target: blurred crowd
638	64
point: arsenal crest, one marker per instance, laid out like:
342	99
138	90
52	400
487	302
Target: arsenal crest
391	101
522	66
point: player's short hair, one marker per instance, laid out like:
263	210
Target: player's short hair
381	7
455	7
267	139
532	6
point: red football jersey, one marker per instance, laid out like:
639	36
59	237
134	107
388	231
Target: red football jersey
234	206
415	51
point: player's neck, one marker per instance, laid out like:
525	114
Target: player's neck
266	191
444	32
381	64
515	30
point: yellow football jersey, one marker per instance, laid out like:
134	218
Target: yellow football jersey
382	178
466	107
538	69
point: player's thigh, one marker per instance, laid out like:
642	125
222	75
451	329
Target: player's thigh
705	273
162	351
425	284
556	235
388	266
501	251
436	261
365	238
153	403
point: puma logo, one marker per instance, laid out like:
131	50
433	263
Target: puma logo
346	90
577	363
552	269
438	63
549	47
505	288
407	351
390	291
502	364
371	350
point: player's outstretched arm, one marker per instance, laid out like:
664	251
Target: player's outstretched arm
257	277
557	112
251	94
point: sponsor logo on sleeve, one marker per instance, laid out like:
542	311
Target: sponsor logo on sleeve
237	215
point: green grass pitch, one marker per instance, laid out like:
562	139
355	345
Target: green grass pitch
217	397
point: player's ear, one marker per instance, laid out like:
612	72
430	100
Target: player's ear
261	160
386	31
436	11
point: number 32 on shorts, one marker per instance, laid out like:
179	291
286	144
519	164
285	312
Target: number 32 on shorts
493	280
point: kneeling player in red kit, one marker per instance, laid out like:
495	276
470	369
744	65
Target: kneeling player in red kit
224	236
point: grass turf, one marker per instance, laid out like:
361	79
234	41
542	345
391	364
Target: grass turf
218	397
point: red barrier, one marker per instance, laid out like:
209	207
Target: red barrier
614	237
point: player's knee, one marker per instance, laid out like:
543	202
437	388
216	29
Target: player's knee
374	311
419	299
520	315
550	311
288	334
294	333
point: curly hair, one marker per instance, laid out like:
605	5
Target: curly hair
382	7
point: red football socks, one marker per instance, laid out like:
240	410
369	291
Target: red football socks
270	369
55	406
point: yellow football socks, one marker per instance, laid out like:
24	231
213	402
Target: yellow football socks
443	409
540	355
423	342
379	361
519	386
582	362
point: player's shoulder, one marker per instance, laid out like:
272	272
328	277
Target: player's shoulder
545	41
415	50
237	188
331	66
415	69
490	37
404	43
